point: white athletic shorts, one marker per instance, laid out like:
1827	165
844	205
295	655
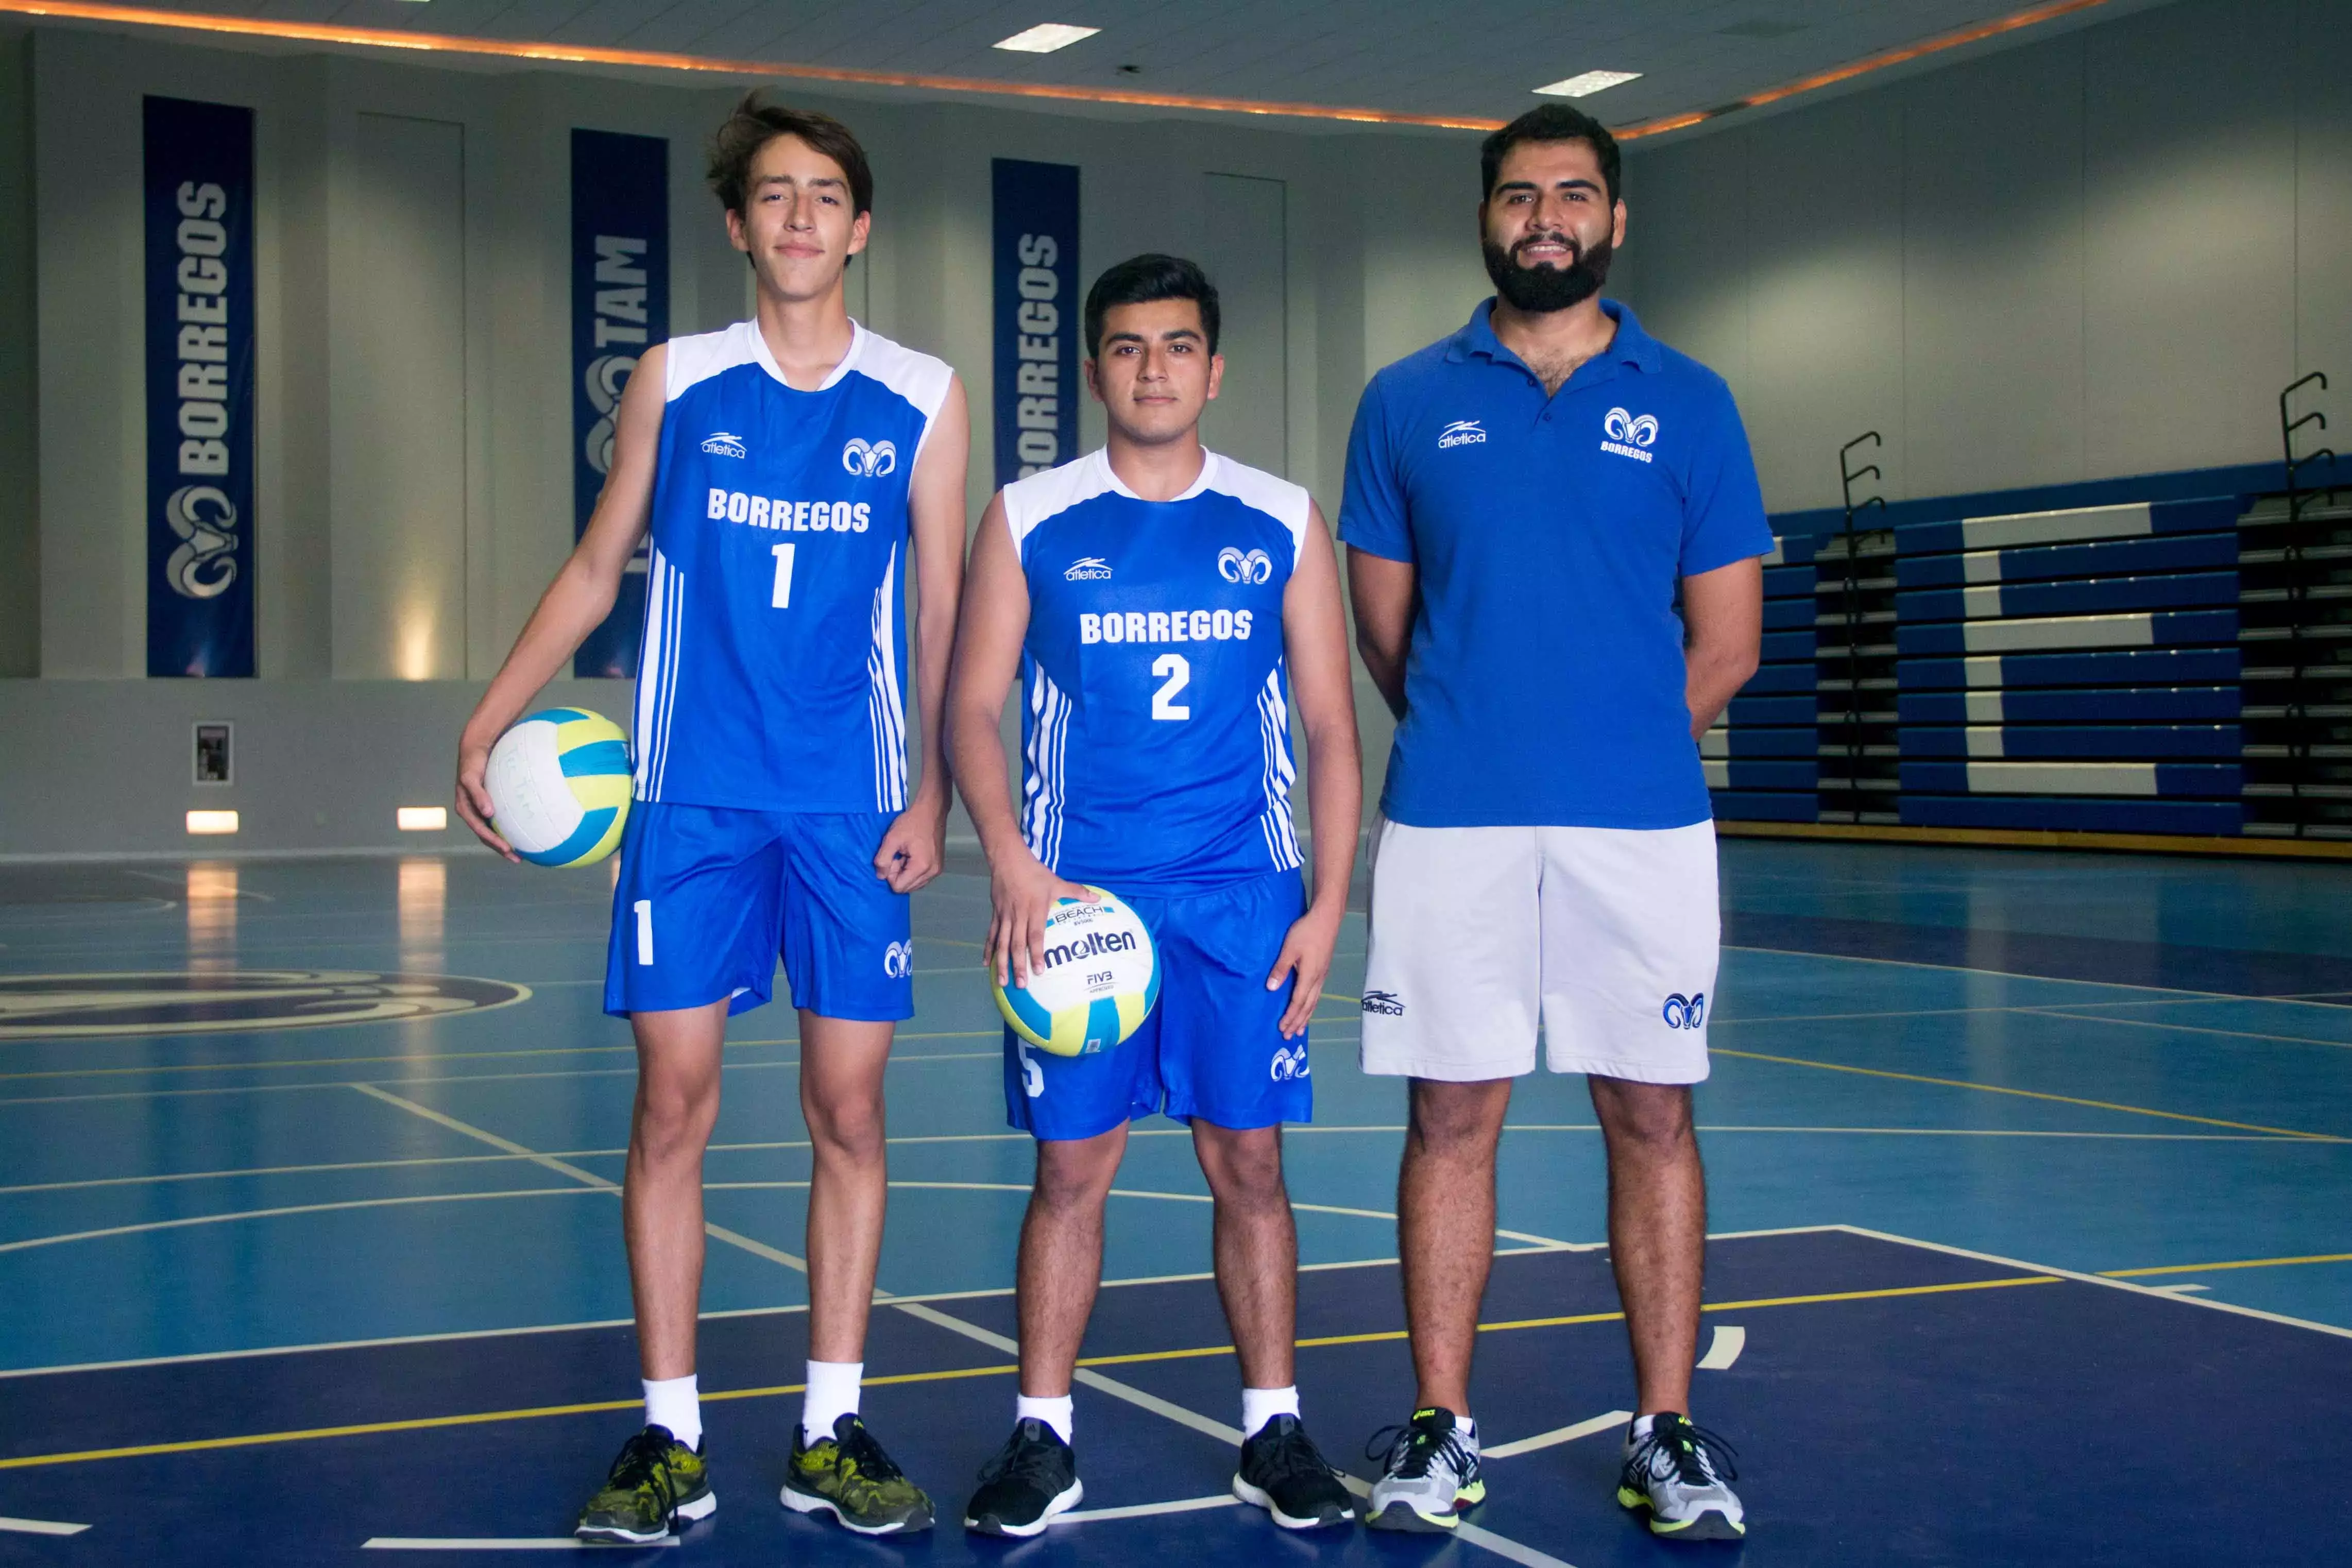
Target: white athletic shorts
1609	935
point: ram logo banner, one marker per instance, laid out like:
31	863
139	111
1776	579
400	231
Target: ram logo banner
1037	317
199	203
620	308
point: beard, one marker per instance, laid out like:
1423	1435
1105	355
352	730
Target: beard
1540	290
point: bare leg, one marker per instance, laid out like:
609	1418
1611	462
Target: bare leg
1257	1247
1061	1256
661	1192
842	1064
1658	1231
1445	1227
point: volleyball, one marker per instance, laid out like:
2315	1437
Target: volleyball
1100	980
559	784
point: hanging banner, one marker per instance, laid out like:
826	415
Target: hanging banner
1037	316
620	308
199	209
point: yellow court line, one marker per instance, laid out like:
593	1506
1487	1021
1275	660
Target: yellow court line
201	1445
2035	1094
427	1423
2215	1267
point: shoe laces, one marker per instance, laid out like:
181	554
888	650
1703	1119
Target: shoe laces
1407	1450
1677	1447
1287	1451
873	1465
644	1463
1029	1455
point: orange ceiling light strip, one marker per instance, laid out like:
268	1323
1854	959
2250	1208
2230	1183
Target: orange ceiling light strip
2013	23
569	53
648	59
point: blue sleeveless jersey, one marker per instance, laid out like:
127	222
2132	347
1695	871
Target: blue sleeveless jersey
1157	741
774	627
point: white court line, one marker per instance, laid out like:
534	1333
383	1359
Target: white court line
587	1178
2158	1291
502	1543
39	1527
1999	973
1723	1349
182	1223
2054	1010
1605	1422
1146	1510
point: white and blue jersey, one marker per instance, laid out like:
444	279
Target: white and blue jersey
774	629
1155	735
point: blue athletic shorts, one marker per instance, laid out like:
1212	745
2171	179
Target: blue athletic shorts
1212	1049
709	897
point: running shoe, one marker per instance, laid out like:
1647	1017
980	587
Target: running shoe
1428	1474
1282	1473
656	1482
849	1477
1033	1478
1677	1471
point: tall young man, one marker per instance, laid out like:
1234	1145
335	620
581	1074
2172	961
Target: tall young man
1153	595
793	469
1526	500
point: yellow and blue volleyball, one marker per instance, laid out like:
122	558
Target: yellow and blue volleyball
559	786
1099	982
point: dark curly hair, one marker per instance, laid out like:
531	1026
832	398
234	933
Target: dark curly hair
756	122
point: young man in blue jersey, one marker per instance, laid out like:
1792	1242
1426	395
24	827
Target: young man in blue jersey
1552	523
791	470
1153	595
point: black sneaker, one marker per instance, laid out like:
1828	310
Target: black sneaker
1282	1473
1033	1478
656	1482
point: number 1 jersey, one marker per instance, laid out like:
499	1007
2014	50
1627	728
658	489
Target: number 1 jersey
1156	737
774	632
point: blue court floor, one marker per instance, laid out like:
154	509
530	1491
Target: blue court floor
2032	1181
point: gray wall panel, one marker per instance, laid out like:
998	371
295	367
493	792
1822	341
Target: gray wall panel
2189	289
20	516
1244	246
2323	51
1993	273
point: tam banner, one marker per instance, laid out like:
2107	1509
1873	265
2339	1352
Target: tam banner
199	243
620	308
1036	316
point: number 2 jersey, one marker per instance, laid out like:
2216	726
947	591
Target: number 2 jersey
774	631
1156	736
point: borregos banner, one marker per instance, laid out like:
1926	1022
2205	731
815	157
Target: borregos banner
199	243
620	308
1036	316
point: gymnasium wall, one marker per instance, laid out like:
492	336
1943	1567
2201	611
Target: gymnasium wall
413	408
2101	253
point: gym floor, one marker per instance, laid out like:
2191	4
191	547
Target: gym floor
2028	1175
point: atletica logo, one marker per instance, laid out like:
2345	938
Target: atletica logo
1093	944
1461	433
179	1001
1685	1012
1235	567
720	444
1629	435
870	462
1384	1003
898	960
1092	569
1288	1064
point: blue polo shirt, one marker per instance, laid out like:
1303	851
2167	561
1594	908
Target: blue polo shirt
1551	534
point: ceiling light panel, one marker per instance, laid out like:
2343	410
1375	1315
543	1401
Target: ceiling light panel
1045	37
1585	84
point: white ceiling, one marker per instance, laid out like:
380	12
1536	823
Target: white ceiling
1473	59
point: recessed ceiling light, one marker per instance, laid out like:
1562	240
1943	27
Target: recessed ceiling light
1588	83
1045	37
212	822
422	818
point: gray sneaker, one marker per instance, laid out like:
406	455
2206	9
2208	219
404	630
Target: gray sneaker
1428	1474
1677	1471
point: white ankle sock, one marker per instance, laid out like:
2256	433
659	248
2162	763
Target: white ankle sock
832	1394
672	1402
1467	1430
1260	1406
1054	1412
